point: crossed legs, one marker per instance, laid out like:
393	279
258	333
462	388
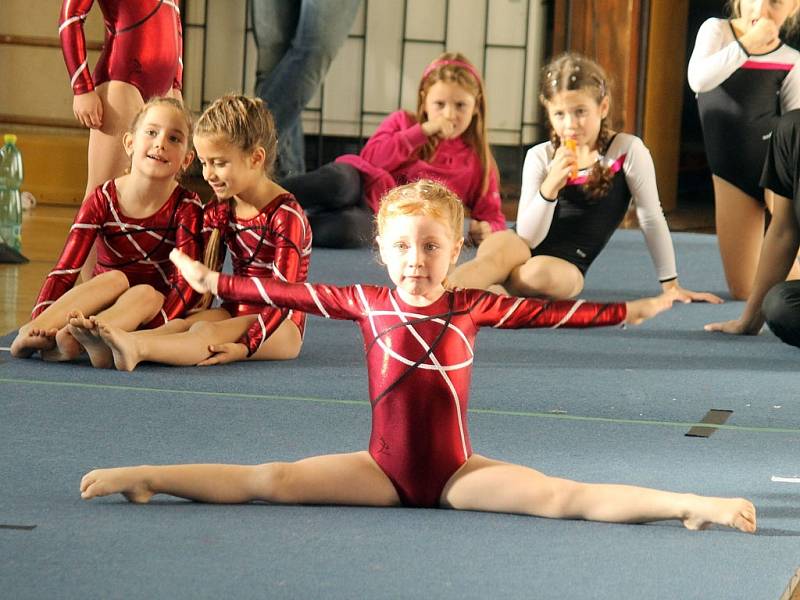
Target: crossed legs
504	264
194	341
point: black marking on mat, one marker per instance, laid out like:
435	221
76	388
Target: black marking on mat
712	417
19	527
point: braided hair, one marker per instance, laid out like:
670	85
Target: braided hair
571	72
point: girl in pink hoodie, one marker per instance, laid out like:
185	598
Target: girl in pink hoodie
445	140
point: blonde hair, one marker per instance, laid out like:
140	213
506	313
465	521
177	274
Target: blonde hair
454	67
789	26
243	122
174	104
246	124
424	197
574	72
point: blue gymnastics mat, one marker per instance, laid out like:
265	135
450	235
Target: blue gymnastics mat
604	405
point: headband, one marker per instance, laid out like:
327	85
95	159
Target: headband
454	63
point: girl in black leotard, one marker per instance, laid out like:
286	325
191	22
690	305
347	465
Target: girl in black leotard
572	200
745	77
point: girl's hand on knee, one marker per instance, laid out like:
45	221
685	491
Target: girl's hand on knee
224	353
88	109
200	277
647	308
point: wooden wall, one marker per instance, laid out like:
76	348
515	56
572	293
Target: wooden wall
641	43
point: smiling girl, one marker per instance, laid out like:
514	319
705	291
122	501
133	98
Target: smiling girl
136	219
262	226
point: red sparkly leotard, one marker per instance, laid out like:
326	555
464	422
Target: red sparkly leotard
275	243
138	247
419	363
143	45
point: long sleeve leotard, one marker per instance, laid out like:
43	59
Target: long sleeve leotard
740	97
143	45
389	159
577	227
276	243
138	247
419	364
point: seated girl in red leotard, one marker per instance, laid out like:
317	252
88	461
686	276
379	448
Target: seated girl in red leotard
141	59
267	234
419	340
136	220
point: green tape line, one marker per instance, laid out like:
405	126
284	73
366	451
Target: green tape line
477	411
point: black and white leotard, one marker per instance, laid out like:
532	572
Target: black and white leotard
740	98
576	227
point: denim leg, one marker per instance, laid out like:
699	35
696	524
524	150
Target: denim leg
321	29
274	23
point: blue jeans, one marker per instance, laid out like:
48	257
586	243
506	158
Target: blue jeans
296	40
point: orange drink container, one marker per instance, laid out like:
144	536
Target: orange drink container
571	144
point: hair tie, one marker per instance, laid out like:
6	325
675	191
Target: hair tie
454	63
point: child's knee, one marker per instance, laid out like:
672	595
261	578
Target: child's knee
147	295
112	280
203	329
272	482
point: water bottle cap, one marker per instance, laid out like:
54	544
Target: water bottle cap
10	138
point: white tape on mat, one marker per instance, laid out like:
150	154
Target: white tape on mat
785	479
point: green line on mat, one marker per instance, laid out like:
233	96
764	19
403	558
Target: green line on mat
479	411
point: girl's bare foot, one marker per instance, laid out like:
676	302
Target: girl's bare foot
703	511
131	482
66	348
122	344
33	339
85	332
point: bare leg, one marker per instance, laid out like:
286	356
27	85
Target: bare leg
181	325
547	277
740	231
88	297
107	157
497	255
180	349
136	306
284	343
490	485
351	479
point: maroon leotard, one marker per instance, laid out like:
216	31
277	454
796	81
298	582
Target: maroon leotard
138	247
275	243
419	364
143	45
